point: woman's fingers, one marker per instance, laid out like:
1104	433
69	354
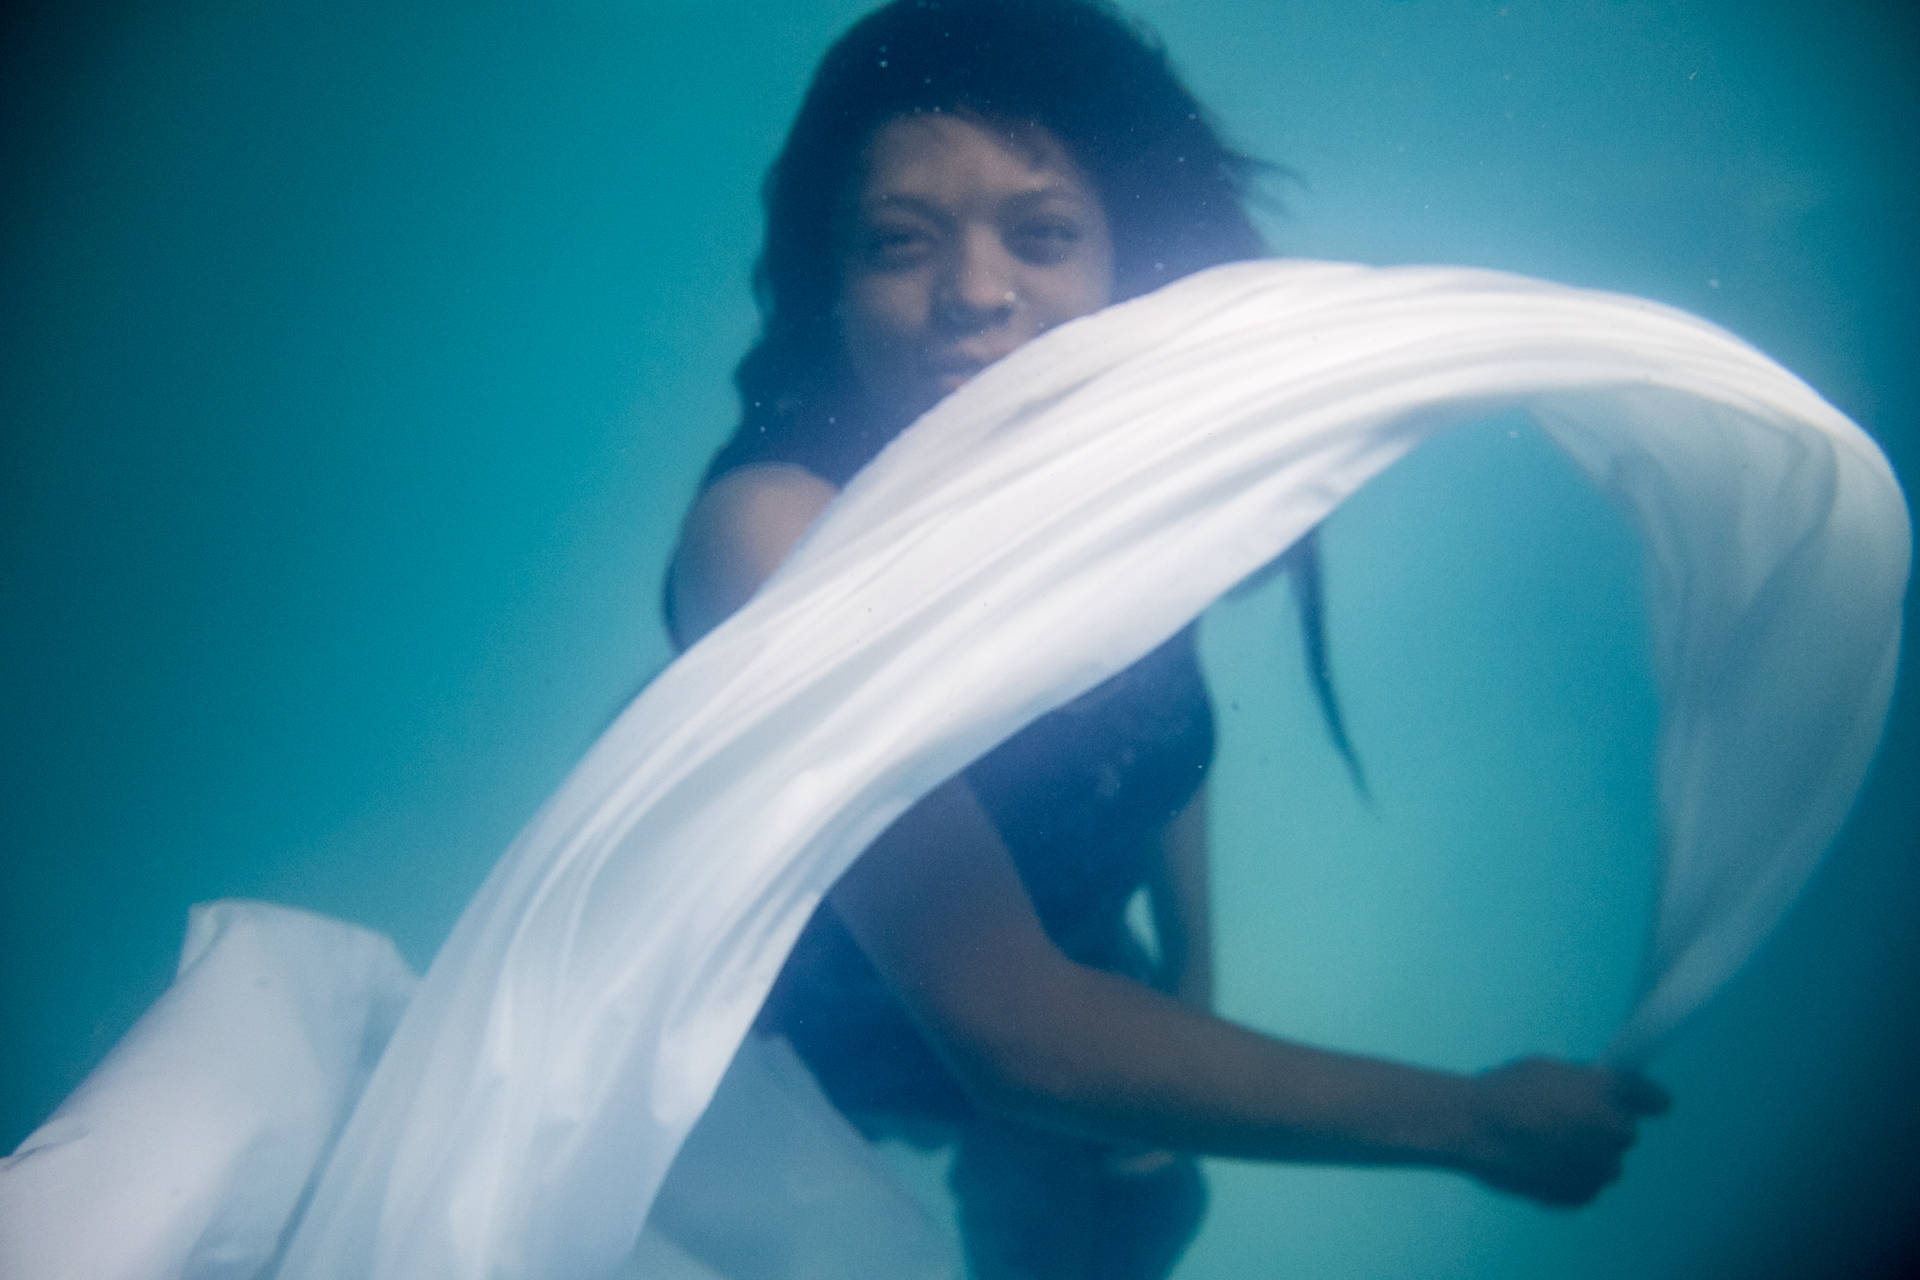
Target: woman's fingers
1640	1095
1557	1131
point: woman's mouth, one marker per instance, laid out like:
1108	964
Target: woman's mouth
952	369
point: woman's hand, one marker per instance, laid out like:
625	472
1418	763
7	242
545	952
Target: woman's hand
1555	1131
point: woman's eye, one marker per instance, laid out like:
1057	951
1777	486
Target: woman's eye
890	247
1046	240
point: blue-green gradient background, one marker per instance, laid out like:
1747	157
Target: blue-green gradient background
357	364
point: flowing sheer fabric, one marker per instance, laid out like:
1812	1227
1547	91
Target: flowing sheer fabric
1038	531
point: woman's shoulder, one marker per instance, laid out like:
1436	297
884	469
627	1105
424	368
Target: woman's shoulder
736	534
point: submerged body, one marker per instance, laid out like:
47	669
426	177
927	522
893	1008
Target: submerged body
973	978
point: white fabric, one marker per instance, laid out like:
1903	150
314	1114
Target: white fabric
1038	531
775	1184
185	1151
184	1155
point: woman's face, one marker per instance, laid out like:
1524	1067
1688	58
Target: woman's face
963	241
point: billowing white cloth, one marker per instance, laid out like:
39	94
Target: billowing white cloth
1038	531
185	1151
183	1156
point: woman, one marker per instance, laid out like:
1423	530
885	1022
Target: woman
962	177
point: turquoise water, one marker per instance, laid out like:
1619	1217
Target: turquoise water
357	367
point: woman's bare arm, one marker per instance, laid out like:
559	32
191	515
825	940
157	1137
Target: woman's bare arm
735	537
938	906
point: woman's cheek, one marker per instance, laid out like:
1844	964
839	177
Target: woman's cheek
892	307
883	325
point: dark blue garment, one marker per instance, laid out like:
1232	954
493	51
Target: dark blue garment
1080	797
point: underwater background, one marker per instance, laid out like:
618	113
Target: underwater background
357	362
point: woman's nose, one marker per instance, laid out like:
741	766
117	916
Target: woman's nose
978	288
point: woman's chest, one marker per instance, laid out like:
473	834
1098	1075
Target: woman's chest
1081	794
